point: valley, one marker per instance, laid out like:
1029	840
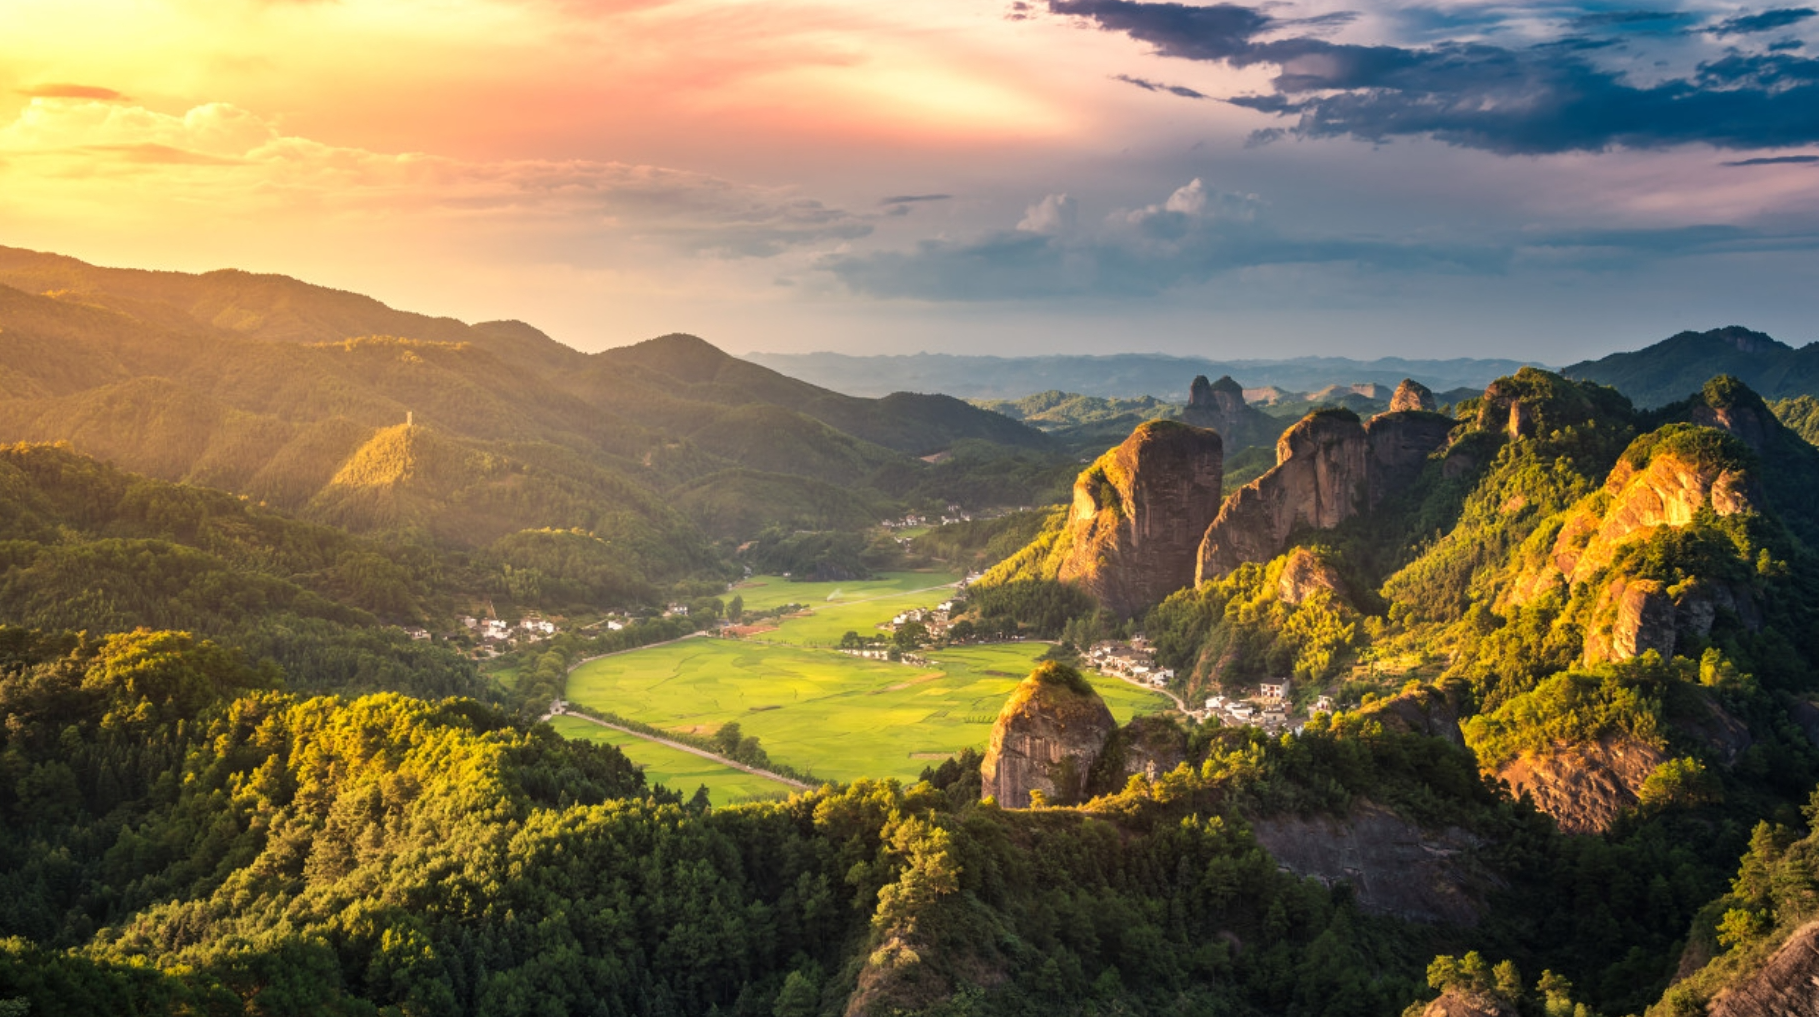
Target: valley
823	712
1483	686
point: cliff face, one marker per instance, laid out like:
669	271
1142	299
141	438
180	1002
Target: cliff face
1787	986
1139	513
1220	405
1584	786
1650	489
1303	574
1669	491
1047	738
1400	442
1319	482
1329	468
1412	395
1395	867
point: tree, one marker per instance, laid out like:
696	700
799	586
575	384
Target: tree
910	635
727	738
735	608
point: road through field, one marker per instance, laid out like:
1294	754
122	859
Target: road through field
693	751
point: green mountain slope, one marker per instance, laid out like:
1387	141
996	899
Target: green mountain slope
274	388
1677	365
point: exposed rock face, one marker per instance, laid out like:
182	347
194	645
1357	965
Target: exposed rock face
1787	986
1400	443
1395	867
1429	710
1139	512
1319	481
1642	618
1584	786
1453	1003
1329	468
1220	405
1150	745
1669	491
1412	395
1303	573
1047	738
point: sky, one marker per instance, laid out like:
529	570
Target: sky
1542	180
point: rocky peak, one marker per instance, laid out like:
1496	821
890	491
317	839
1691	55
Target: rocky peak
1047	737
1731	406
1303	574
1319	481
1139	512
1220	406
1665	479
1412	395
1329	468
1584	786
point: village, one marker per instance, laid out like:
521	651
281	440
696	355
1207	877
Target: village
1271	708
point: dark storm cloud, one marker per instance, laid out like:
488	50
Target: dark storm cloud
1767	21
1627	19
1775	160
1550	97
1157	86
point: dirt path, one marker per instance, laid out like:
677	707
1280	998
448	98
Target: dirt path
690	749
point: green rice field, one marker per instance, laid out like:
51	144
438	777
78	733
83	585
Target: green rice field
821	711
674	769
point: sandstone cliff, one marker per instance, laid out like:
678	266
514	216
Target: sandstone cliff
1665	481
1412	395
1329	468
1787	986
1303	574
1395	868
1139	512
1453	1003
1047	738
1584	786
1319	481
1220	405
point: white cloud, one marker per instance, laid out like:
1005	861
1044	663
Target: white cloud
1052	215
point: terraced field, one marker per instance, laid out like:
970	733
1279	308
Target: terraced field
836	716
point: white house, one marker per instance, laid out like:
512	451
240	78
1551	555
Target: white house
1277	689
1215	702
1242	711
614	626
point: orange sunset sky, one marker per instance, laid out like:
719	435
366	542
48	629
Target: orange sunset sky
949	175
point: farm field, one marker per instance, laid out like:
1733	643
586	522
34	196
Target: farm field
676	770
764	592
835	716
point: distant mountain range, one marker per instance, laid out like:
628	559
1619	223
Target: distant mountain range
335	407
1666	371
1123	375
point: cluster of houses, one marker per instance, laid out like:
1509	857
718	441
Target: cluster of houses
497	630
1269	709
1134	660
954	514
936	619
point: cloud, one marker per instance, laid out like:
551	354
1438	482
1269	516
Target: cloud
1767	21
235	162
1053	215
905	199
1157	86
1194	235
1545	97
1775	160
95	92
1628	19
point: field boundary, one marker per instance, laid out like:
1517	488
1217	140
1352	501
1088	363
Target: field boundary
690	749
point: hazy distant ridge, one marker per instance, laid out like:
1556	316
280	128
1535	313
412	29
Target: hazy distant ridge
1124	375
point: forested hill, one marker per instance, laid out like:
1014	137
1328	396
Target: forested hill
297	396
1667	370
